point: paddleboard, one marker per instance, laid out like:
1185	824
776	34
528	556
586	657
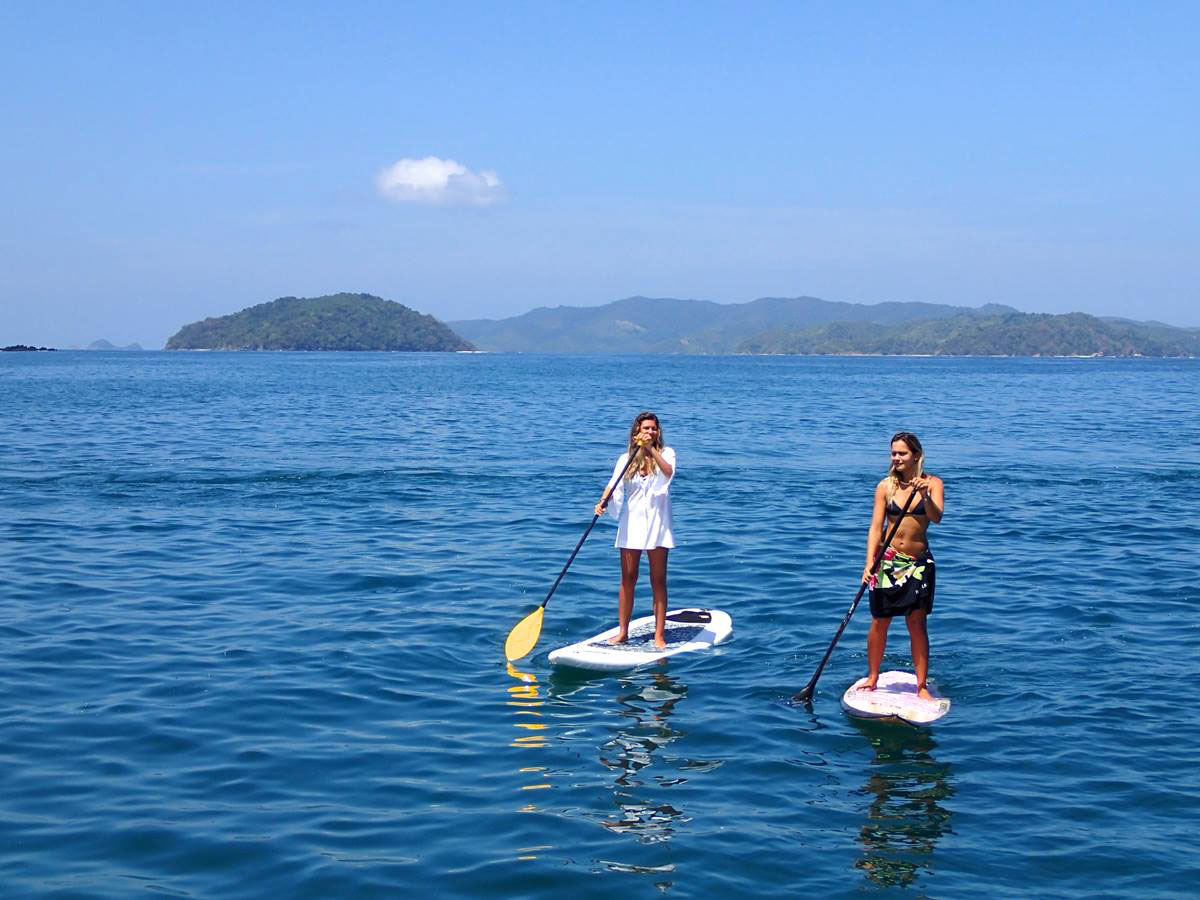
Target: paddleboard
686	630
895	697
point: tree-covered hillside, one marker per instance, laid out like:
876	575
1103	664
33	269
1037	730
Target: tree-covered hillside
1015	334
668	325
334	322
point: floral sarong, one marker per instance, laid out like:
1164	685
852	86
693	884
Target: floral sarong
902	584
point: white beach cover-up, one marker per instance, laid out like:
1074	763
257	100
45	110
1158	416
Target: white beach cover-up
642	507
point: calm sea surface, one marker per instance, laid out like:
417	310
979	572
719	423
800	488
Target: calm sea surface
253	608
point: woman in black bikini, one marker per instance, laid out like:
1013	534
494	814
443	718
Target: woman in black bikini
905	581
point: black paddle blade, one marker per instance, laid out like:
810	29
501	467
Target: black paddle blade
693	616
805	695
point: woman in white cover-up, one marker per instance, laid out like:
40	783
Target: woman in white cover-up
641	504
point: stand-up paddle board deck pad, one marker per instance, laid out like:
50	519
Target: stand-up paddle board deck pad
686	630
895	697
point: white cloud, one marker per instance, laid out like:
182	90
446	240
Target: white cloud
438	181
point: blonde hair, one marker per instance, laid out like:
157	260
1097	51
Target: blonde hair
634	448
913	443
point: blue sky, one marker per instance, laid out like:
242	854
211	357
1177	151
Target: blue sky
170	161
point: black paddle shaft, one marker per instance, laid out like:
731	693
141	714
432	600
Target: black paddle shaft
806	695
607	497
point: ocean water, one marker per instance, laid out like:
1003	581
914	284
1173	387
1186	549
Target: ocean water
253	609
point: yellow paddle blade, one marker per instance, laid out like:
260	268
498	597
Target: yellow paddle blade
525	634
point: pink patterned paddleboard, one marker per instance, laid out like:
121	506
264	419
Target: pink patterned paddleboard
895	697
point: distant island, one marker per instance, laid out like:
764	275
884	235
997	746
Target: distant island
333	322
1013	334
809	325
108	345
668	325
24	348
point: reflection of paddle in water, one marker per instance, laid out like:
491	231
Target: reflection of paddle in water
525	698
905	817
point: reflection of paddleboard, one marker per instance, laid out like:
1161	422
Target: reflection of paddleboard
686	630
895	697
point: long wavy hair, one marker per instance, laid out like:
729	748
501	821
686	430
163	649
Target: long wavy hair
634	448
914	444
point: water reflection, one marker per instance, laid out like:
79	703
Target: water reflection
905	818
525	698
645	730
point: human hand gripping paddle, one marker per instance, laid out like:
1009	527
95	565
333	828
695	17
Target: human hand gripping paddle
524	636
806	695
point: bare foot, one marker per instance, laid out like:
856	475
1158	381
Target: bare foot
620	638
923	693
870	685
660	642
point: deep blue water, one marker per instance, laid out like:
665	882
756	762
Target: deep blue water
253	608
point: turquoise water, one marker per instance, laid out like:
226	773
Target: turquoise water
254	604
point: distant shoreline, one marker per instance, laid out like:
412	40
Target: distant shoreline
774	326
1095	356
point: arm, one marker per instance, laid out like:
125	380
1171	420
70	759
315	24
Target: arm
665	464
933	492
615	487
875	534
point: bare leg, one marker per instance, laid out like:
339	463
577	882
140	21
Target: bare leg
631	561
876	644
658	584
919	637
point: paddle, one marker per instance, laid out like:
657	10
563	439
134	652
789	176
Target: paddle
525	633
806	695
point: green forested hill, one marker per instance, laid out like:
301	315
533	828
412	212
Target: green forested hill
669	325
815	326
1014	334
333	322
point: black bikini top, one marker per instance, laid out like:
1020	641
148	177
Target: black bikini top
918	510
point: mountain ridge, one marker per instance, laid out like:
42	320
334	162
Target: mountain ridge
1012	334
669	325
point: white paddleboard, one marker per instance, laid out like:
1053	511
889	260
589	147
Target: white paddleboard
895	697
686	630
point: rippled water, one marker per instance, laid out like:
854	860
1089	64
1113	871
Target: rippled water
254	604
